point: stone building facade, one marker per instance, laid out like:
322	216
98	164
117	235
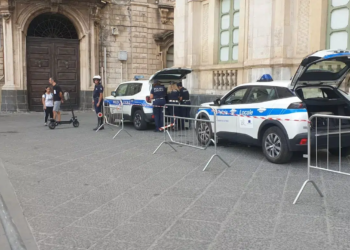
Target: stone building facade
231	42
73	40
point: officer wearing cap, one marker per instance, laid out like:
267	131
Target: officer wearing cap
98	100
185	100
158	94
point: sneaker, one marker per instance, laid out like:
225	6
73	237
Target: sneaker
45	124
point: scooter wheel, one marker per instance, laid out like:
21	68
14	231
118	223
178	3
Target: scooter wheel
75	124
52	125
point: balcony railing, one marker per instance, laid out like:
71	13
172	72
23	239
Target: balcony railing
224	79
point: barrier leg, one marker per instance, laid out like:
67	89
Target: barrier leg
212	158
104	123
164	142
122	129
302	189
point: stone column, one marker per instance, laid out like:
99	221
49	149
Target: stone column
8	52
8	91
180	33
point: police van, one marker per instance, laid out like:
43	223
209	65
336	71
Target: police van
135	95
274	114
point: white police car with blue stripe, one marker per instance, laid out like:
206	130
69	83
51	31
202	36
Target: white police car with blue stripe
135	96
274	114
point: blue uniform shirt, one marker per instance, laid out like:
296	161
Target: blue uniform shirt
158	92
184	94
98	90
174	95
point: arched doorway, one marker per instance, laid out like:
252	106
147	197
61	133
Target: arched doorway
52	51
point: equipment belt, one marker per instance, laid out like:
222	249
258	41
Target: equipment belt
158	98
173	101
186	100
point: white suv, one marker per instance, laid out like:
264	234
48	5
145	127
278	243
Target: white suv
135	96
274	115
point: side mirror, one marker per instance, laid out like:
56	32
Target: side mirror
113	93
217	102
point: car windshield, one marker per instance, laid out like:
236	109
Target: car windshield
327	66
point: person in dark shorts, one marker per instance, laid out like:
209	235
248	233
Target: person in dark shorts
57	100
47	100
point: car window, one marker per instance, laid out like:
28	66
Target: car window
134	88
262	94
121	91
284	92
235	97
343	93
314	93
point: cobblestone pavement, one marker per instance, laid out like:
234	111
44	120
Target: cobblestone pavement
83	190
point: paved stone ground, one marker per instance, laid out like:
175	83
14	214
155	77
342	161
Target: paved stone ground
83	190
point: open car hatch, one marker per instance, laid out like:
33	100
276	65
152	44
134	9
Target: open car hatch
171	74
326	67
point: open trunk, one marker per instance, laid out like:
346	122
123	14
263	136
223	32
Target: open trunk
327	101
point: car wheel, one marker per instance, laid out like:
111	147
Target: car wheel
204	132
139	120
275	147
345	151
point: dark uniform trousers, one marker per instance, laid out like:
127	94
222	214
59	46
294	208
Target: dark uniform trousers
174	111
158	112
185	112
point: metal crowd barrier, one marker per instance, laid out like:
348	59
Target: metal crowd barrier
332	134
114	116
182	131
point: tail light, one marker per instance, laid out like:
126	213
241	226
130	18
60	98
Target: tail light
148	99
297	105
303	142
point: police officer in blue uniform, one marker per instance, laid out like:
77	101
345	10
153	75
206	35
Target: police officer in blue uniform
98	100
174	98
158	94
185	100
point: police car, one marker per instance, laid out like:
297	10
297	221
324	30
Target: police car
274	114
135	96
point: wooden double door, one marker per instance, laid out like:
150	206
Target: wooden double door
57	58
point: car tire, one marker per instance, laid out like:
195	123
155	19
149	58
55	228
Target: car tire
204	132
139	120
275	146
345	151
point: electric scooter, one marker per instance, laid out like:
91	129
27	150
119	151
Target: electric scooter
74	120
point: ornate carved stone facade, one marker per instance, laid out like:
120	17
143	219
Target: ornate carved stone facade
274	36
110	25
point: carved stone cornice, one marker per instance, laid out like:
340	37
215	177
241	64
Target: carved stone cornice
166	13
164	39
95	14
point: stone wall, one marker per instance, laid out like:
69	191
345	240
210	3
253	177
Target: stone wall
137	23
274	36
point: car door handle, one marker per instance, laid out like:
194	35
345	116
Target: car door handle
131	100
262	109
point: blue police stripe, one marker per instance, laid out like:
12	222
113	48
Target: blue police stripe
336	55
253	112
129	102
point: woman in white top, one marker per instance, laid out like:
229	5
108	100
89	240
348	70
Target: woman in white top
47	100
